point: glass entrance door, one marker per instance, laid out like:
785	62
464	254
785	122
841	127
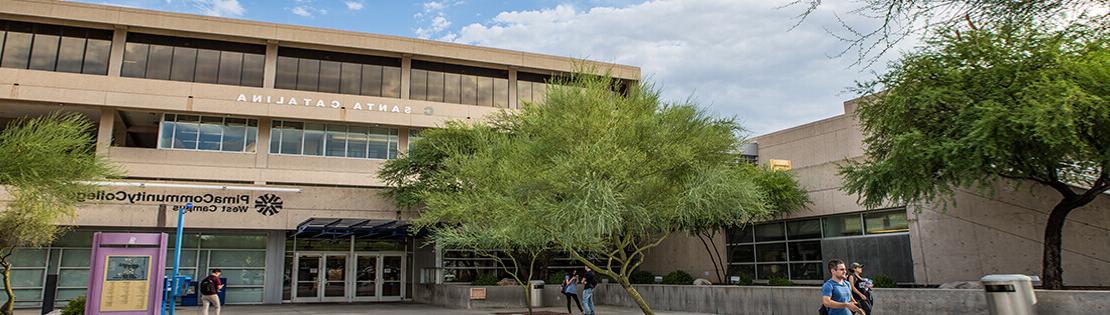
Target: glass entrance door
307	278
366	278
334	281
347	277
392	277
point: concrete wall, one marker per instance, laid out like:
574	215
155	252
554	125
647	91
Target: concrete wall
458	296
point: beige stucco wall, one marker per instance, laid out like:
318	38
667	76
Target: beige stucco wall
978	235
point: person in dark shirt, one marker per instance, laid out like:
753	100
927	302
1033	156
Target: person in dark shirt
590	281
209	291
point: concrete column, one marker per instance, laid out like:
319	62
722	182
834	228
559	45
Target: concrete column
115	58
513	98
402	140
269	73
104	131
262	145
275	267
406	74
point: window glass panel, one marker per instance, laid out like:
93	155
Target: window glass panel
184	64
71	52
809	250
736	270
252	135
308	74
286	77
27	278
97	52
806	271
337	140
741	253
844	225
74	239
435	86
167	132
158	63
356	141
313	139
134	60
234	134
231	67
741	235
379	143
185	135
886	222
414	135
371	80
243	295
233	241
44	52
469	88
769	232
28	257
392	143
770	252
73	277
253	65
208	66
17	50
501	93
523	91
69	294
236	258
768	271
485	91
539	91
800	230
391	82
244	276
349	79
291	137
329	76
275	136
418	88
2	35
75	257
211	132
451	91
188	258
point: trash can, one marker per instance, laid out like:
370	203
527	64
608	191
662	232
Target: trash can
1010	294
536	290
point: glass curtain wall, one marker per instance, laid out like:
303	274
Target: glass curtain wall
207	133
447	83
334	72
333	140
54	48
193	60
531	87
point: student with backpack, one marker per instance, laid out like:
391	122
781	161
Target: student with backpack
861	287
570	290
209	288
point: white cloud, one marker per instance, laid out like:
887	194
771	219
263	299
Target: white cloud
308	11
435	5
736	57
353	5
230	8
439	23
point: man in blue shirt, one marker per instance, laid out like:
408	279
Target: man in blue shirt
837	292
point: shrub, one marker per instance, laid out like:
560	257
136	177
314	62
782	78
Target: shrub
76	306
882	281
486	279
556	277
642	277
745	279
678	277
779	281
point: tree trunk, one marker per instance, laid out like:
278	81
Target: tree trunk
528	297
635	295
713	257
9	305
1053	273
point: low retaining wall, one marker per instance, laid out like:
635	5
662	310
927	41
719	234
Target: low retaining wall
458	296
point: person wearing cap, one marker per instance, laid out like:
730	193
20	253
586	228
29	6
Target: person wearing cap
861	287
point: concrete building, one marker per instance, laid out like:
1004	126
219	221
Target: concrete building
270	135
927	244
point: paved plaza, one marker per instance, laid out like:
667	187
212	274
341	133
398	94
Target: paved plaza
378	309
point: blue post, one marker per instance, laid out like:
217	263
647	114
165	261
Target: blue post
171	303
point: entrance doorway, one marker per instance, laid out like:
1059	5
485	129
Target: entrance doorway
348	277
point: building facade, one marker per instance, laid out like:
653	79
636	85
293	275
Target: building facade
269	136
924	245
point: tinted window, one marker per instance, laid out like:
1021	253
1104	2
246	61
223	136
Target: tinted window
418	87
286	76
798	230
469	89
886	222
844	225
71	54
485	91
391	82
329	76
769	232
97	52
231	67
134	60
17	50
308	75
371	80
253	65
350	75
451	91
158	62
208	66
435	86
44	52
523	91
184	64
501	93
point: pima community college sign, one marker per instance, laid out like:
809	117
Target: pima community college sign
320	103
265	204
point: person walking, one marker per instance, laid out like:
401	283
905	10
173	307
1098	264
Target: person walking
570	290
589	281
861	287
209	290
836	294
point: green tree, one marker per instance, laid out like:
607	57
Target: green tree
605	176
1026	104
45	165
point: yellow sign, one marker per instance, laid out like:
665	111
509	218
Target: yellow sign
780	165
126	284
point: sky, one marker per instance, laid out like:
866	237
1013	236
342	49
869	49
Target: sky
736	58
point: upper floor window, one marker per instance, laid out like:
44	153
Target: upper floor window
332	72
320	139
440	82
207	133
531	87
193	60
414	135
54	48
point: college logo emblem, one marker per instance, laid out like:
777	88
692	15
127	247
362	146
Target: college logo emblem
268	204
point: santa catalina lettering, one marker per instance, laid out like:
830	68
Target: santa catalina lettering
308	102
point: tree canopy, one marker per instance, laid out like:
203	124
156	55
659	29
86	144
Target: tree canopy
1026	103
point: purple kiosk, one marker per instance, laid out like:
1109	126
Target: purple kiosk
126	274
